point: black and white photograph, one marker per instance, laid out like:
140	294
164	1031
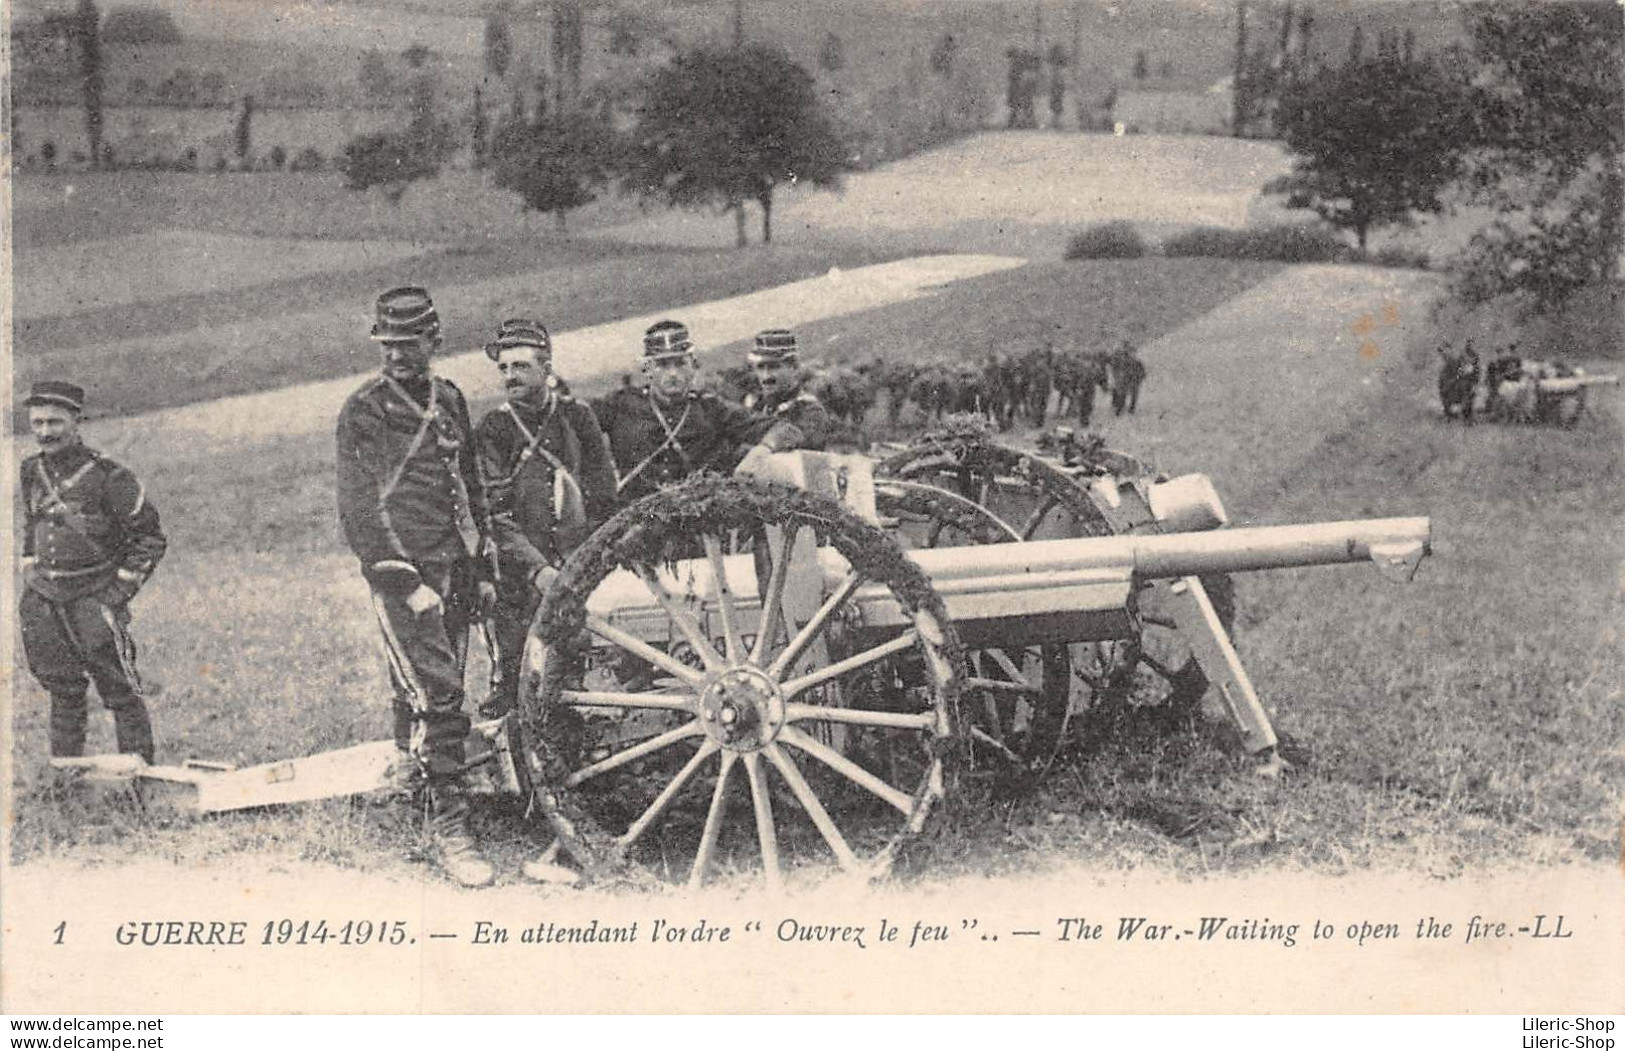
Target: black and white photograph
814	506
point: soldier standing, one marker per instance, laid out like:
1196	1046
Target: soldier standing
90	541
673	429
410	499
550	480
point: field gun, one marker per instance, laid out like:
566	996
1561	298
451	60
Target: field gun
836	648
800	665
1542	392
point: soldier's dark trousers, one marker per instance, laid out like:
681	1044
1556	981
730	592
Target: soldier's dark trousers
426	653
69	644
514	612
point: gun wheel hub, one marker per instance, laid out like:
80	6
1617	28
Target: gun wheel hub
742	709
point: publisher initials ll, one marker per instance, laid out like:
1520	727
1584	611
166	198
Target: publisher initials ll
1557	930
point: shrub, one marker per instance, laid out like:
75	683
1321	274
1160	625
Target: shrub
1291	243
1117	240
1407	258
309	159
279	157
1204	241
1286	243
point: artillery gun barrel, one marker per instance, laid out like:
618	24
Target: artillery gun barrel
1573	384
1045	590
1188	554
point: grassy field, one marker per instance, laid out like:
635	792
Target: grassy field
207	345
1470	719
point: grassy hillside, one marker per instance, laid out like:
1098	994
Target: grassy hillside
1467	720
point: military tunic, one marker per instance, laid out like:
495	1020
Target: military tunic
656	444
91	538
796	420
409	496
551	482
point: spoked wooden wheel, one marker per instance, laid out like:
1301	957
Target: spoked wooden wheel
1038	500
1017	698
818	725
1153	675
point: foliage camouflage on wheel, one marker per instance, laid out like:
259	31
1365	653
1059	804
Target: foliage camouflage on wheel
963	457
661	531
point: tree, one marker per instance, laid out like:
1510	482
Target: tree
1372	142
557	164
568	29
1240	103
723	126
140	25
88	32
832	54
390	160
942	55
480	128
1550	144
498	45
242	135
376	81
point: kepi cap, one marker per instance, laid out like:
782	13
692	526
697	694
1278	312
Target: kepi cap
406	312
665	339
774	344
521	332
57	392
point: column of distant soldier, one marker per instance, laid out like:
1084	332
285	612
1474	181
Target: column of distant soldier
458	527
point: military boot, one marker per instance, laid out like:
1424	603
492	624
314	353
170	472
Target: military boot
133	729
455	849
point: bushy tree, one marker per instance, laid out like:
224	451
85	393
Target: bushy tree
1551	150
719	127
1373	142
557	164
140	25
394	160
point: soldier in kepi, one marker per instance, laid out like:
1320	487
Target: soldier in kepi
411	501
673	429
794	417
550	481
91	538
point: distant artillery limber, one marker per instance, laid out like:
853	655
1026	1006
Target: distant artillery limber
777	672
1531	391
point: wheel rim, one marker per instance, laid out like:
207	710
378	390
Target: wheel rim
803	734
1017	699
1037	499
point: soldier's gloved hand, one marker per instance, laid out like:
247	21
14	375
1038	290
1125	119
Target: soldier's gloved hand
543	579
422	599
485	599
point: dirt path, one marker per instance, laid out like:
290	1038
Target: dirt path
582	354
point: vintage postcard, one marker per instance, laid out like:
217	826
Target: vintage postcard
906	506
